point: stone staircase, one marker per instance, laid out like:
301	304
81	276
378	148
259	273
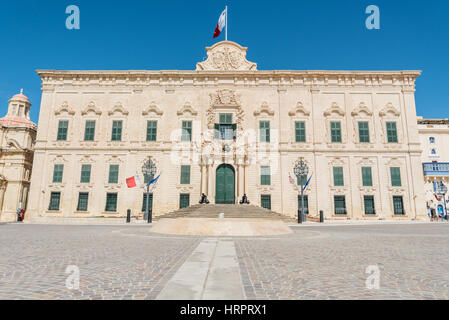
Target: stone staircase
230	211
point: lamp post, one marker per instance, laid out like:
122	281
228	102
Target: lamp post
301	172
442	191
148	170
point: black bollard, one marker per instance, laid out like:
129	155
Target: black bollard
150	216
128	216
321	216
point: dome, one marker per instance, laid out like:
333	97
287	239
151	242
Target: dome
20	97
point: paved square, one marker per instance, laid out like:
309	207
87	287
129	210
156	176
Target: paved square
316	262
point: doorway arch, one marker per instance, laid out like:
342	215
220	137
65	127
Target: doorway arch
225	185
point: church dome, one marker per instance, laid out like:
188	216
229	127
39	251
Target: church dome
20	97
18	112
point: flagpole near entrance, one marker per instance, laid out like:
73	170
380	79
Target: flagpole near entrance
226	23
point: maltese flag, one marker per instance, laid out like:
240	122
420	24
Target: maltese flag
221	23
133	182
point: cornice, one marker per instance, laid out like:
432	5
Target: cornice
136	81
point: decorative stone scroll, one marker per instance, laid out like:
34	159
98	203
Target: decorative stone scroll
264	108
64	108
226	56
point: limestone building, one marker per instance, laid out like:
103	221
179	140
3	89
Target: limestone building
225	130
17	136
434	134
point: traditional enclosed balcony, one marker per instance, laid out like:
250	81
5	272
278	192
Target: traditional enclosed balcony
436	169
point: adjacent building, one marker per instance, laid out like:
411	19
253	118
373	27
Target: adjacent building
228	129
434	134
17	137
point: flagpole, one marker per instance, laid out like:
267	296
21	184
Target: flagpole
226	23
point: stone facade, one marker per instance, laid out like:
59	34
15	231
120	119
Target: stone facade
434	134
228	112
17	137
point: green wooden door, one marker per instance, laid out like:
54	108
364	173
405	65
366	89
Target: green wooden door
225	185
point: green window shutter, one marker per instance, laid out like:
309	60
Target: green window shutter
265	201
369	204
55	200
83	200
301	181
186	131
367	177
217	131
113	173
395	177
234	131
85	173
117	127
226	118
151	130
392	132
306	204
265	176
300	131
340	205
184	201
111	202
150	202
63	128
264	128
185	174
58	172
336	131
398	205
364	132
89	131
338	177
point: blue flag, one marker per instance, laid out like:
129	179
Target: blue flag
307	184
153	181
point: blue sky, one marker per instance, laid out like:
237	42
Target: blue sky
155	35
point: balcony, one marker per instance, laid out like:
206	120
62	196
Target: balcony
436	169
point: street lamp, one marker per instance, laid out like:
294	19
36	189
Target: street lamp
442	190
148	170
301	171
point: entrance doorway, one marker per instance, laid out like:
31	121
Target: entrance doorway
225	185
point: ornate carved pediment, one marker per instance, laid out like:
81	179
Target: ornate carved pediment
264	108
152	108
64	108
118	108
226	56
335	108
389	108
91	108
299	109
14	144
187	108
225	98
361	108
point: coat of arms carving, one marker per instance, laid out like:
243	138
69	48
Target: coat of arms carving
226	56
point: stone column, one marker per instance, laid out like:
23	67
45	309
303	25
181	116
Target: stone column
203	179
210	183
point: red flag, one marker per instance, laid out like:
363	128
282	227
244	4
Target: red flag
221	24
436	197
131	182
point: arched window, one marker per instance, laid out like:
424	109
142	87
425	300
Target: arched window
432	140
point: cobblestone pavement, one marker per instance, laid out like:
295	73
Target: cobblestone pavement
114	262
331	262
119	262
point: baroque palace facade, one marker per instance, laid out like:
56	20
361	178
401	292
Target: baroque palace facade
226	130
